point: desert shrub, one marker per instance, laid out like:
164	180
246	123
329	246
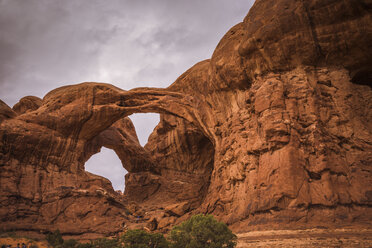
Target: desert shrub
70	243
106	243
85	245
55	238
142	239
202	231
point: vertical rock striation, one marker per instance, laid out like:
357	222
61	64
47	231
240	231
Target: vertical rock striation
274	130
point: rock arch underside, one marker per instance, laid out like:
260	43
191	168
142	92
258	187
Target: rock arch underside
275	130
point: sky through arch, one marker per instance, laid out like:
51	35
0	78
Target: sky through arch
107	164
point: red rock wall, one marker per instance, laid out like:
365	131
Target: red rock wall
274	130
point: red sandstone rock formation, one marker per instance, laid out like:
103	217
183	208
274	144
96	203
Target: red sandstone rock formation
27	104
274	129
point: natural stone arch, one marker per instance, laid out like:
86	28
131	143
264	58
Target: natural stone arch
69	126
294	136
108	103
79	113
94	115
91	112
121	136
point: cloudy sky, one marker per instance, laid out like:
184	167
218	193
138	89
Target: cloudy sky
45	44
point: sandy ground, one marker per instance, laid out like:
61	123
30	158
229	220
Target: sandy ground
28	242
276	238
307	238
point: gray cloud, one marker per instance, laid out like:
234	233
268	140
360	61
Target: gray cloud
45	44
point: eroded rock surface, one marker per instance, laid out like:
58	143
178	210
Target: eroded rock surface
274	130
27	104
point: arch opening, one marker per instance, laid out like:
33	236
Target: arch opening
184	161
107	164
144	124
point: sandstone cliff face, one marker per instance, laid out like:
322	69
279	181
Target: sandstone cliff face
43	151
274	129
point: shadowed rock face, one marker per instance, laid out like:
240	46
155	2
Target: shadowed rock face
274	130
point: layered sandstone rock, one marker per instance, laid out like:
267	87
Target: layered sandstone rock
274	130
43	182
27	104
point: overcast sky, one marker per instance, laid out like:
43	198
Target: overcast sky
45	44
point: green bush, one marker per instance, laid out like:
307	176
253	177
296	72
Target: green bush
70	243
142	239
106	243
202	231
55	238
85	245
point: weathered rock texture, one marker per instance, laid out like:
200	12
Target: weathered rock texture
274	130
